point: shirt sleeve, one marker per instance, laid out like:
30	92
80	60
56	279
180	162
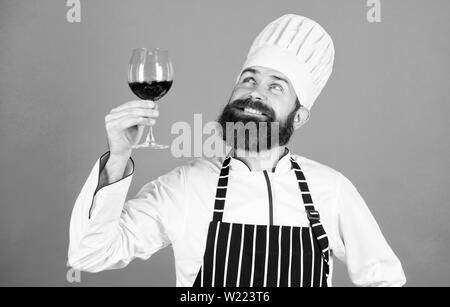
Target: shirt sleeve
107	232
369	259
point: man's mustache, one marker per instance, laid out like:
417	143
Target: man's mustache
254	104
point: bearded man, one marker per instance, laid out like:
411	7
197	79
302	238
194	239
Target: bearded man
260	216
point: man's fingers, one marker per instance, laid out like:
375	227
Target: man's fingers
132	112
129	121
134	104
138	120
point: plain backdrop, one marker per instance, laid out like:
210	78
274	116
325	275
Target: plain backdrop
382	119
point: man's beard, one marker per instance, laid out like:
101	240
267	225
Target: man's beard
264	134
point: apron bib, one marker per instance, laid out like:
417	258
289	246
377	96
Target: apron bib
244	255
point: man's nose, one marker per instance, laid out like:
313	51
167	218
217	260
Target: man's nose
257	95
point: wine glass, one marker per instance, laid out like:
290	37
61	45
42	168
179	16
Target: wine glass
150	76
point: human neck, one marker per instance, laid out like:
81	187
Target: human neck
263	160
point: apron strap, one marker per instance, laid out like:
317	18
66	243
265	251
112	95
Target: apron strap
221	192
313	215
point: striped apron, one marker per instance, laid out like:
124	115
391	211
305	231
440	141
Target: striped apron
244	255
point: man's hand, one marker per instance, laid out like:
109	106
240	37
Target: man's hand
125	126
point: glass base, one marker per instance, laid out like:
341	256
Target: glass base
152	145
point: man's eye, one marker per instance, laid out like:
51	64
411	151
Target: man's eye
277	87
248	79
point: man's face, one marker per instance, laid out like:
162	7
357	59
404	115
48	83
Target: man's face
261	95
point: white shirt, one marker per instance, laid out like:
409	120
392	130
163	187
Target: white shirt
176	209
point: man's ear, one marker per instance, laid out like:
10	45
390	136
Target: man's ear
301	117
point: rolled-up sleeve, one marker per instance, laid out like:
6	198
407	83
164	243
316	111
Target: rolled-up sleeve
369	259
107	232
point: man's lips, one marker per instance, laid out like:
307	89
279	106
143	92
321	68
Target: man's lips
251	111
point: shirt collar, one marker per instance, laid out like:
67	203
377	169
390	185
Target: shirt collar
283	165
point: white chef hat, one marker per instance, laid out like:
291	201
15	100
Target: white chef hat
299	48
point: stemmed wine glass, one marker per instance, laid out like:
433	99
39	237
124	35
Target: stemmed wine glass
150	76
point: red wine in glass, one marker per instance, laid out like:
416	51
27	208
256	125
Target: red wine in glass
150	91
150	77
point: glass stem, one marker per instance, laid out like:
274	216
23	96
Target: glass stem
150	136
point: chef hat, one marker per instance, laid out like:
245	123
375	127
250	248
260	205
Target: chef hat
299	48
